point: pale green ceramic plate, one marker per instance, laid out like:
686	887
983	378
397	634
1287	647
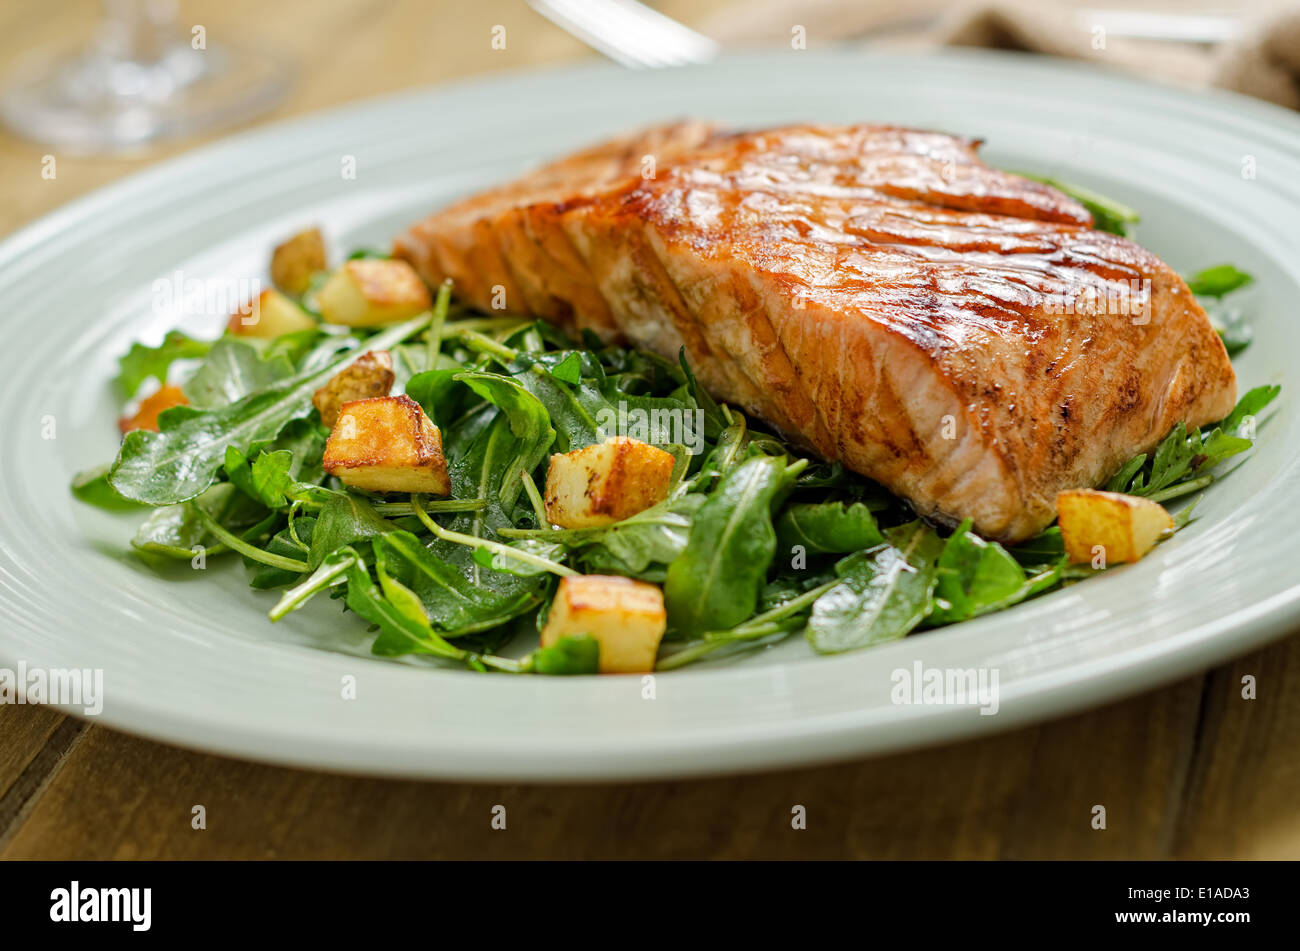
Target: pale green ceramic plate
192	659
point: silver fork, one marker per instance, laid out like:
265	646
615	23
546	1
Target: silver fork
629	32
638	37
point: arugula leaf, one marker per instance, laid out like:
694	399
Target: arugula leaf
266	480
300	345
442	396
640	546
1229	322
1171	461
725	454
785	588
489	642
568	370
643	374
1183	517
92	488
182	460
714	584
455	603
530	425
1046	548
1216	447
551	551
343	521
1218	280
715	420
775	623
572	410
479	468
1251	404
827	527
142	362
331	573
304	439
586	412
270	478
974	577
233	369
1123	479
1183	460
403	626
390	606
326	349
882	595
283	543
1107	213
572	655
1231	326
656	536
176	531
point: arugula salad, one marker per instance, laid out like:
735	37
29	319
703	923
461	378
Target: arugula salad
463	481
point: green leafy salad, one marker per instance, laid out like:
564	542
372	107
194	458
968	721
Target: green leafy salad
741	541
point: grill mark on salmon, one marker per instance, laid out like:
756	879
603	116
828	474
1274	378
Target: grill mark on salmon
867	290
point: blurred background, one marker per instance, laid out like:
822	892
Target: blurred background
108	86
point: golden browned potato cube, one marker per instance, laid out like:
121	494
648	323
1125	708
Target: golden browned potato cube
1108	527
626	618
370	292
371	375
387	444
606	483
294	262
146	414
271	315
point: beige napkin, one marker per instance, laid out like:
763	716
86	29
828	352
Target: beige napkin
1264	62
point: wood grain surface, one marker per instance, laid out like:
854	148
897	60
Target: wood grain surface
1190	771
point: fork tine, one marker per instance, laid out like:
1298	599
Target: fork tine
591	29
619	30
648	42
676	40
628	32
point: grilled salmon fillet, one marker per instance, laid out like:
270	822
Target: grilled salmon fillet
877	294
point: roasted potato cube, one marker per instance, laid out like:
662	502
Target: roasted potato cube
371	292
387	444
626	618
606	483
270	315
1120	528
371	375
146	415
294	262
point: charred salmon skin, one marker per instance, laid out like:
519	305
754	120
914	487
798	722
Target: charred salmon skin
878	294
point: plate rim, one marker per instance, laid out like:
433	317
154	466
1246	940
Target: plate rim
1174	658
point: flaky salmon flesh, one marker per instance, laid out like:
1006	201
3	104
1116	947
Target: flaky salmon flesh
877	294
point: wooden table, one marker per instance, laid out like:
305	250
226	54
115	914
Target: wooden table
1192	770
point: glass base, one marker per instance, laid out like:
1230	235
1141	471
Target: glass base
95	102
